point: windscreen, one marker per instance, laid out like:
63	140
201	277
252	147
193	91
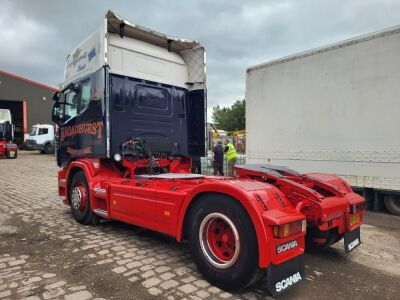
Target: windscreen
5	115
33	131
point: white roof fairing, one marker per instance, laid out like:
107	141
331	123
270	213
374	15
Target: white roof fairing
127	57
85	59
145	34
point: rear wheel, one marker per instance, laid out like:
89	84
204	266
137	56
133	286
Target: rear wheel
223	242
392	203
79	198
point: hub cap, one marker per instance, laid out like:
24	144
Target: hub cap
219	240
78	197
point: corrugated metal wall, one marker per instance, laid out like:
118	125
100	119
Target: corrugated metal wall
38	98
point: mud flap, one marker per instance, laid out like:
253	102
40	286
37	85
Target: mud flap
352	240
284	276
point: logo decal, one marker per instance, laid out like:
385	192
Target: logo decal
79	151
287	246
287	282
353	244
92	54
94	128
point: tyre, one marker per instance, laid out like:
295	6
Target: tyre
392	203
48	149
79	199
223	242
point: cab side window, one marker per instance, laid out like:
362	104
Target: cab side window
77	100
85	96
71	105
43	131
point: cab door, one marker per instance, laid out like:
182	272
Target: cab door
42	135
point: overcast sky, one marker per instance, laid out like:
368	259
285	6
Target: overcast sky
36	36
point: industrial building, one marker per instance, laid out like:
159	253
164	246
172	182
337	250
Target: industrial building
30	102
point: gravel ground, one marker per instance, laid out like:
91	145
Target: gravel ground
45	254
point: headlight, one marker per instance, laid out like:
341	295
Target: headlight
117	157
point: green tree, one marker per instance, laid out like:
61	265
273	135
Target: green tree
230	118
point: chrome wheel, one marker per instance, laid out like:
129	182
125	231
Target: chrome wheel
78	197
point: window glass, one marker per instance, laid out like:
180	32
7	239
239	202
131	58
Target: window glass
71	106
85	96
152	98
77	101
43	131
33	131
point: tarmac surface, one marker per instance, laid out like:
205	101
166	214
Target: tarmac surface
45	254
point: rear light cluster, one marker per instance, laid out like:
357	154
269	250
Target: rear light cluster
285	230
355	208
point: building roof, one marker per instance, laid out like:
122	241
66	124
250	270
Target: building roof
54	89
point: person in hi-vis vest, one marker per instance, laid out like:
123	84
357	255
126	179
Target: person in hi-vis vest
231	155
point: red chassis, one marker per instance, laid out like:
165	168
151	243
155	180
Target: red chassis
237	229
332	209
8	149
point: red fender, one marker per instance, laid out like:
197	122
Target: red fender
87	166
241	195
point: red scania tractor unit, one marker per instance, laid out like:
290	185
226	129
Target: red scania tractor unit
7	148
131	118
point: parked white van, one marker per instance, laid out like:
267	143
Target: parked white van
41	137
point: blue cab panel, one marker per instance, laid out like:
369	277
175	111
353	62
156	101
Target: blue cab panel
169	119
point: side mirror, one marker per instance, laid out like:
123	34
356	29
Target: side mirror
57	113
56	96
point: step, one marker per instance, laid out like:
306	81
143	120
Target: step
101	212
100	192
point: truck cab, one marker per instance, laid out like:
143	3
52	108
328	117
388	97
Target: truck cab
131	116
41	137
126	81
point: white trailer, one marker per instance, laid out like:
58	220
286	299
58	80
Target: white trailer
333	109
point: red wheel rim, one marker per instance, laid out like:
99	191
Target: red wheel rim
79	197
219	240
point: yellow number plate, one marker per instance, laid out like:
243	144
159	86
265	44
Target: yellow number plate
354	219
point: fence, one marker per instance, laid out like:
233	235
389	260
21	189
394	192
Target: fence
207	164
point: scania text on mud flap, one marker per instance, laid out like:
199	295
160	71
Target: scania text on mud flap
7	148
131	116
332	209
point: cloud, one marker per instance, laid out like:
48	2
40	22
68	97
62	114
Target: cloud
36	36
22	41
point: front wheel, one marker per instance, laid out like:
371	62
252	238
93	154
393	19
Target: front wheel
223	242
48	149
79	199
